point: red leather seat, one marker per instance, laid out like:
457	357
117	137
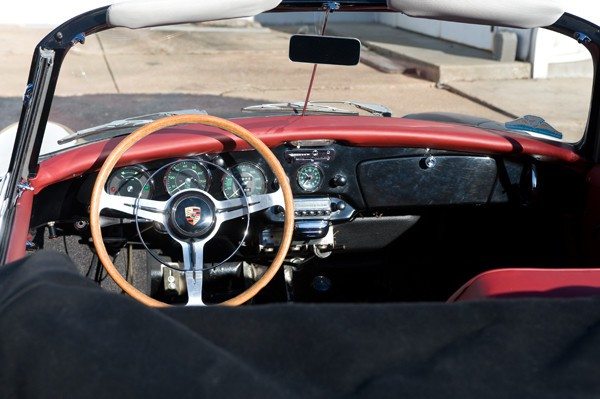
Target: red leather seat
515	283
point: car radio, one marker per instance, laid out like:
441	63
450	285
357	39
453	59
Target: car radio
314	217
316	208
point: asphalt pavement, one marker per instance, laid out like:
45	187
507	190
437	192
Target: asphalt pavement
120	73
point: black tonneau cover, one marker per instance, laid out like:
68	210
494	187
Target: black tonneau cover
62	336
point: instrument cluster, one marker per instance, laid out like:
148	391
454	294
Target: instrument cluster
226	175
160	181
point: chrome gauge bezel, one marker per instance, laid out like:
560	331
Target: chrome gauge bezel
143	170
199	163
321	173
231	170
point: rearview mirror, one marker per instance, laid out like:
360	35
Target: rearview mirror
324	50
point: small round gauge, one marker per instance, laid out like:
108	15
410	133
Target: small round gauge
184	175
130	182
309	177
251	178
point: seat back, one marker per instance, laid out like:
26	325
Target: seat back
513	283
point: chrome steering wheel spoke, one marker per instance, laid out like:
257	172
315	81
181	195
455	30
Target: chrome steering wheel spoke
193	263
181	215
145	208
238	207
193	250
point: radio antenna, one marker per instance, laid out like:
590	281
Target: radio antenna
329	7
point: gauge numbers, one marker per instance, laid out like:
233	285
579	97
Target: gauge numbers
130	182
309	177
184	175
250	177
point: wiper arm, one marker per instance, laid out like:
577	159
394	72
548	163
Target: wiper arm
317	107
119	124
297	107
375	109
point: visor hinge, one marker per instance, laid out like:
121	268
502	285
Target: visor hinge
78	38
582	38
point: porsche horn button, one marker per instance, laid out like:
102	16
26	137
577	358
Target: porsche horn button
193	214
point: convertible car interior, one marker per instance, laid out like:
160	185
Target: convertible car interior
378	211
429	206
351	249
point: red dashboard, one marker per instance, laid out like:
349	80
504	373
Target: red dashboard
356	131
361	131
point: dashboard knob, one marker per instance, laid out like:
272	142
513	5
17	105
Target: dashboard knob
338	206
339	181
275	184
219	161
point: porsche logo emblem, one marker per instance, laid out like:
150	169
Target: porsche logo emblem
193	214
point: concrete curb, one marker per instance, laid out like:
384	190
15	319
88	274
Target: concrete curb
437	63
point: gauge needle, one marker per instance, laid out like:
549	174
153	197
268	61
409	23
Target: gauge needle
181	185
187	181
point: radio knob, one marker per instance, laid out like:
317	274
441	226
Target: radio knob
339	181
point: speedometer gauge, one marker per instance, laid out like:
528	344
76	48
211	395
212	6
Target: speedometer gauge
250	177
184	175
309	177
130	182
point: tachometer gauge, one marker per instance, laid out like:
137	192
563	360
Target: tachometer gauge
309	177
184	175
251	178
130	182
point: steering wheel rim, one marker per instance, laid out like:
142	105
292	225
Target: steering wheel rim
115	155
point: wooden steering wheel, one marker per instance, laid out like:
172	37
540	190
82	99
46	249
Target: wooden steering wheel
172	213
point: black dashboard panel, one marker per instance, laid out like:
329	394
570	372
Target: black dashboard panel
422	181
342	161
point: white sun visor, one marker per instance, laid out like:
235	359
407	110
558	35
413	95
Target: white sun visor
514	13
144	13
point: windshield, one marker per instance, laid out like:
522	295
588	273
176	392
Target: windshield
413	68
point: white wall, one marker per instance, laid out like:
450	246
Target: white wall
548	51
556	55
551	51
472	35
